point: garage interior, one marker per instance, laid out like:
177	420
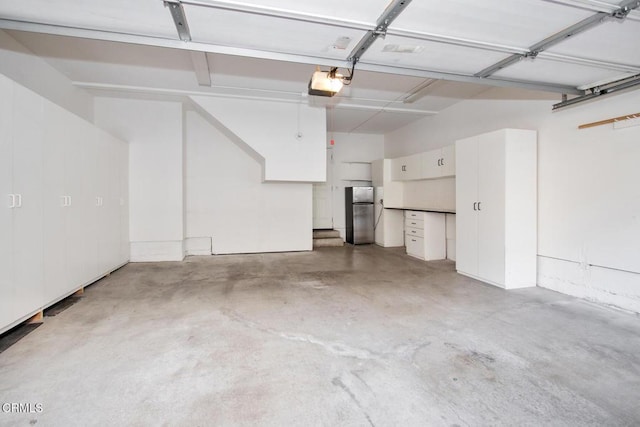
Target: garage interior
169	169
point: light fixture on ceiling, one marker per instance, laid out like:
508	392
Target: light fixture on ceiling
328	83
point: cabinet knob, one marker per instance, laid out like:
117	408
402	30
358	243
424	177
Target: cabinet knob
479	206
475	206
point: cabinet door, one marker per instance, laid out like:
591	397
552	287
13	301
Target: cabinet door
112	205
90	225
28	135
398	169
123	176
466	198
413	167
431	164
491	252
448	161
58	130
77	173
103	225
7	312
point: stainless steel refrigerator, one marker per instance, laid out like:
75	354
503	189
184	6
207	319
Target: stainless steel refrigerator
359	215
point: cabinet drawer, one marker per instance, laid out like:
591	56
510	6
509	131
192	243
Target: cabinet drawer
413	214
415	246
413	223
410	231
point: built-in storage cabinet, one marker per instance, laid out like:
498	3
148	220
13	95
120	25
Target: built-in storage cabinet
431	164
388	193
63	210
406	168
21	143
496	207
355	171
425	236
438	163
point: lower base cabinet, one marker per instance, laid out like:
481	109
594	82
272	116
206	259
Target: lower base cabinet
425	235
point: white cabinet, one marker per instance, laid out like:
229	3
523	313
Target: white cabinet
355	171
7	201
433	164
496	208
21	153
389	222
406	168
50	232
425	236
439	163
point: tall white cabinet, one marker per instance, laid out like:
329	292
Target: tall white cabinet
63	217
496	219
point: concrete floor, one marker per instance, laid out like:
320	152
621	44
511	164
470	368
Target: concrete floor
339	336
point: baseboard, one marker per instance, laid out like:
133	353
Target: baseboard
197	246
157	251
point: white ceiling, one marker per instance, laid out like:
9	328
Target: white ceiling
269	48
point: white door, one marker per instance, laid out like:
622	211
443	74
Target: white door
28	135
413	167
102	200
322	200
448	161
431	164
466	205
491	216
58	130
123	175
7	314
75	178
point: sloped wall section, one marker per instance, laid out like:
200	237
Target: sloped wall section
289	137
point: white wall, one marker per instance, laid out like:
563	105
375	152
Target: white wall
228	205
350	147
290	137
21	65
588	192
154	132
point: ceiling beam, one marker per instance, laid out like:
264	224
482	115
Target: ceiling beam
179	19
201	67
582	26
277	56
594	6
392	11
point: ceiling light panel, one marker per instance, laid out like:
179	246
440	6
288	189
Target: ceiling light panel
365	11
432	56
613	41
515	23
237	29
141	17
556	72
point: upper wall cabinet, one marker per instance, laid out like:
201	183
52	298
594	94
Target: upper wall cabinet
439	163
431	164
406	168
